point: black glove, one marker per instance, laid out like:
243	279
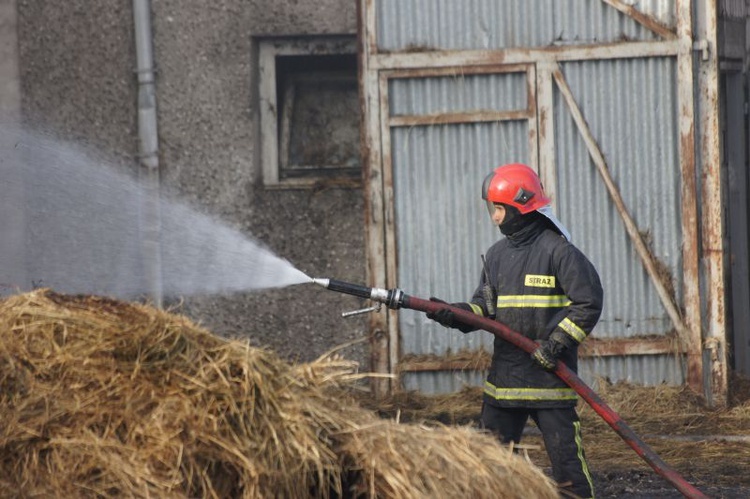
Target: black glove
447	318
549	351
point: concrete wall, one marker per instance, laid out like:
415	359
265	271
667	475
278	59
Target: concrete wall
77	80
12	220
9	83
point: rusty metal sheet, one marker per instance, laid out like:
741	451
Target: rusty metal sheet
715	353
630	69
634	123
411	25
653	370
442	226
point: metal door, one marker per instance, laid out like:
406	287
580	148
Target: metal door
597	96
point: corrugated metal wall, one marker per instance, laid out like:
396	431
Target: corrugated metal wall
443	226
630	106
498	24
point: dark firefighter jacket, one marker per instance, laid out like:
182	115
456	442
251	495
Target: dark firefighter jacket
542	283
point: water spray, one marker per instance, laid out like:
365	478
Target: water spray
396	299
77	223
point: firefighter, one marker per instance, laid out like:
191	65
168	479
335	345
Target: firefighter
546	289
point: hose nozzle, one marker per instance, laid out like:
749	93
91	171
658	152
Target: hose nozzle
321	282
393	298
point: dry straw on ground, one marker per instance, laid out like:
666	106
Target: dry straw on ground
100	398
710	444
676	423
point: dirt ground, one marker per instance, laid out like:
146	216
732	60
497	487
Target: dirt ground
708	447
639	480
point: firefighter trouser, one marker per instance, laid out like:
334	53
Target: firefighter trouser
561	431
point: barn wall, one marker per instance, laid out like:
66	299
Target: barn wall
77	64
610	129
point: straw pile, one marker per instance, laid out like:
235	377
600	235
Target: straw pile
677	425
100	398
673	421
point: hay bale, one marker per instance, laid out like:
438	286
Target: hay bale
105	398
397	460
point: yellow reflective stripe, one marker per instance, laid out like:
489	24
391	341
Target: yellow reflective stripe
572	329
579	445
533	301
529	393
476	309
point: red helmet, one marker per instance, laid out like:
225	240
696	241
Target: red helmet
515	185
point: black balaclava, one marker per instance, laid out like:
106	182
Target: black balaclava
514	221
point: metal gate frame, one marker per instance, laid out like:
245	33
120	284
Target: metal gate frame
700	326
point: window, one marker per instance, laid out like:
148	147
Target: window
309	112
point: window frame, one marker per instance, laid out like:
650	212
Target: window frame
273	120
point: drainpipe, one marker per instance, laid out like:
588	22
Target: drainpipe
148	173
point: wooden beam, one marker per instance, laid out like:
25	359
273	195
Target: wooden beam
645	20
467	58
592	347
373	192
648	259
689	195
712	207
454	118
546	126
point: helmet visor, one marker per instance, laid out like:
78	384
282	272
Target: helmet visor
485	193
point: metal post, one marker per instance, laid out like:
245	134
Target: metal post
148	174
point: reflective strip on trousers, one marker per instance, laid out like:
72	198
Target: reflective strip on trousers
579	454
529	393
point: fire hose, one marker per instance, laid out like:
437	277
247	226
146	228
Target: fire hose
396	298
